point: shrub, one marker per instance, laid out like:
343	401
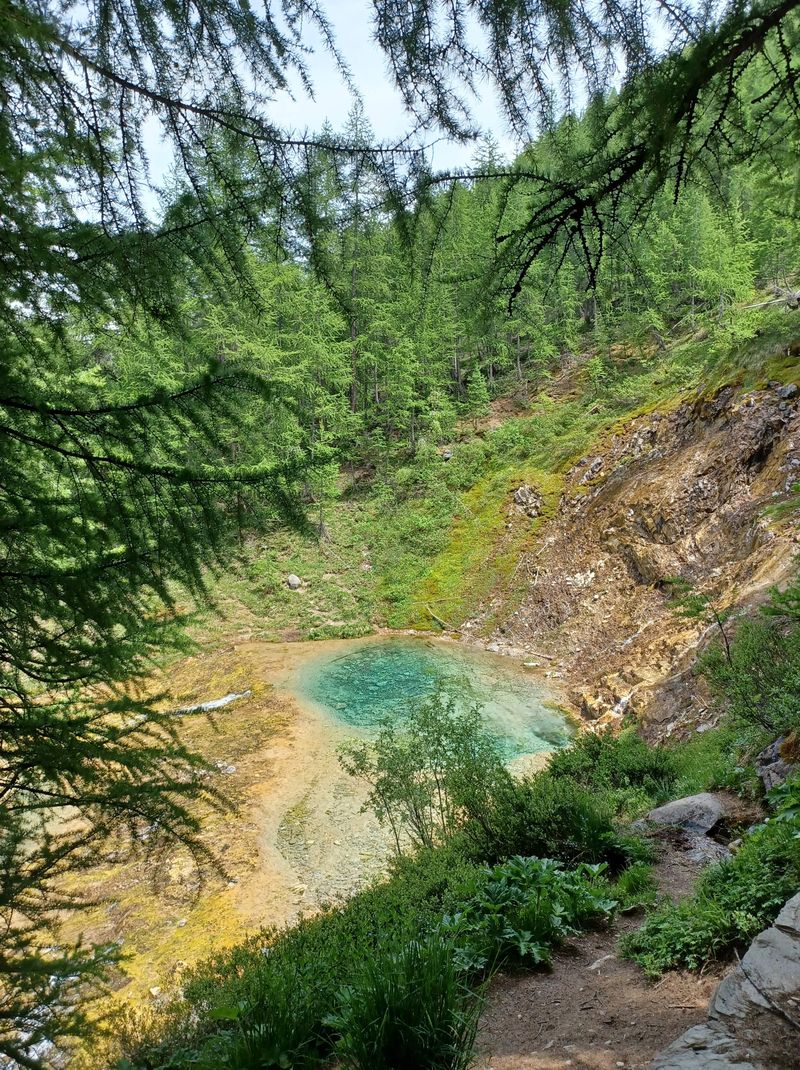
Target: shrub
549	817
785	798
758	683
733	901
431	774
410	1010
278	1028
708	760
618	764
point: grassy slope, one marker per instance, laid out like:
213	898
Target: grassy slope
481	553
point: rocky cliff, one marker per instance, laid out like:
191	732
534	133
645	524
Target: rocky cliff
688	492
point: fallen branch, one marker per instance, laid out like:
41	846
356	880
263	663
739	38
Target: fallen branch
442	623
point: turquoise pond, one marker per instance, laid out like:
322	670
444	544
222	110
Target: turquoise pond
375	681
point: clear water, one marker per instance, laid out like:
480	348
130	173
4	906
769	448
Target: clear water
379	681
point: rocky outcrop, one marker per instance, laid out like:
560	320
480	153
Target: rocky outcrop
754	1017
695	813
777	762
528	500
674	493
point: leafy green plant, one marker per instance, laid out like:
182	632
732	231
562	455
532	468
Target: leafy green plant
429	776
277	1029
623	764
785	799
757	683
547	816
709	760
410	1010
732	902
524	907
300	970
636	886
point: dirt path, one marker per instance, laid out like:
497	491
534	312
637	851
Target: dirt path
593	1010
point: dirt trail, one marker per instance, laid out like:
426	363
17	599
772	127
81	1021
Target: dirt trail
593	1010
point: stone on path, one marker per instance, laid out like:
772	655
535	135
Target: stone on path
696	813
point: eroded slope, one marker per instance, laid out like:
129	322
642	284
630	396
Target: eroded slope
688	492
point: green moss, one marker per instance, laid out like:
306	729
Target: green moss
484	548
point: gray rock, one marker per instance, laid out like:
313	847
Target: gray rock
754	1016
787	391
772	968
594	469
772	767
704	850
446	455
294	583
703	1047
696	813
528	500
789	918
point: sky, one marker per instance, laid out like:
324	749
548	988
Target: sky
297	113
352	23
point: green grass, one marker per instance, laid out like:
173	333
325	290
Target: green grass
485	544
733	901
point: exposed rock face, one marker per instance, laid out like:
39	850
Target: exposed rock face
754	1017
528	501
679	493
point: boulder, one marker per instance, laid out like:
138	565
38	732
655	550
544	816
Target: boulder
294	583
754	1016
697	814
528	500
771	764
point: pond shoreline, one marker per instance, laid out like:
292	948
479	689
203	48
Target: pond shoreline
298	840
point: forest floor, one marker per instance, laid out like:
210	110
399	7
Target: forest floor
594	1010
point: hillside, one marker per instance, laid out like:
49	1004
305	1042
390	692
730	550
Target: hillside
552	530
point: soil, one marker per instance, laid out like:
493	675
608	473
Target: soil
674	492
593	1010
